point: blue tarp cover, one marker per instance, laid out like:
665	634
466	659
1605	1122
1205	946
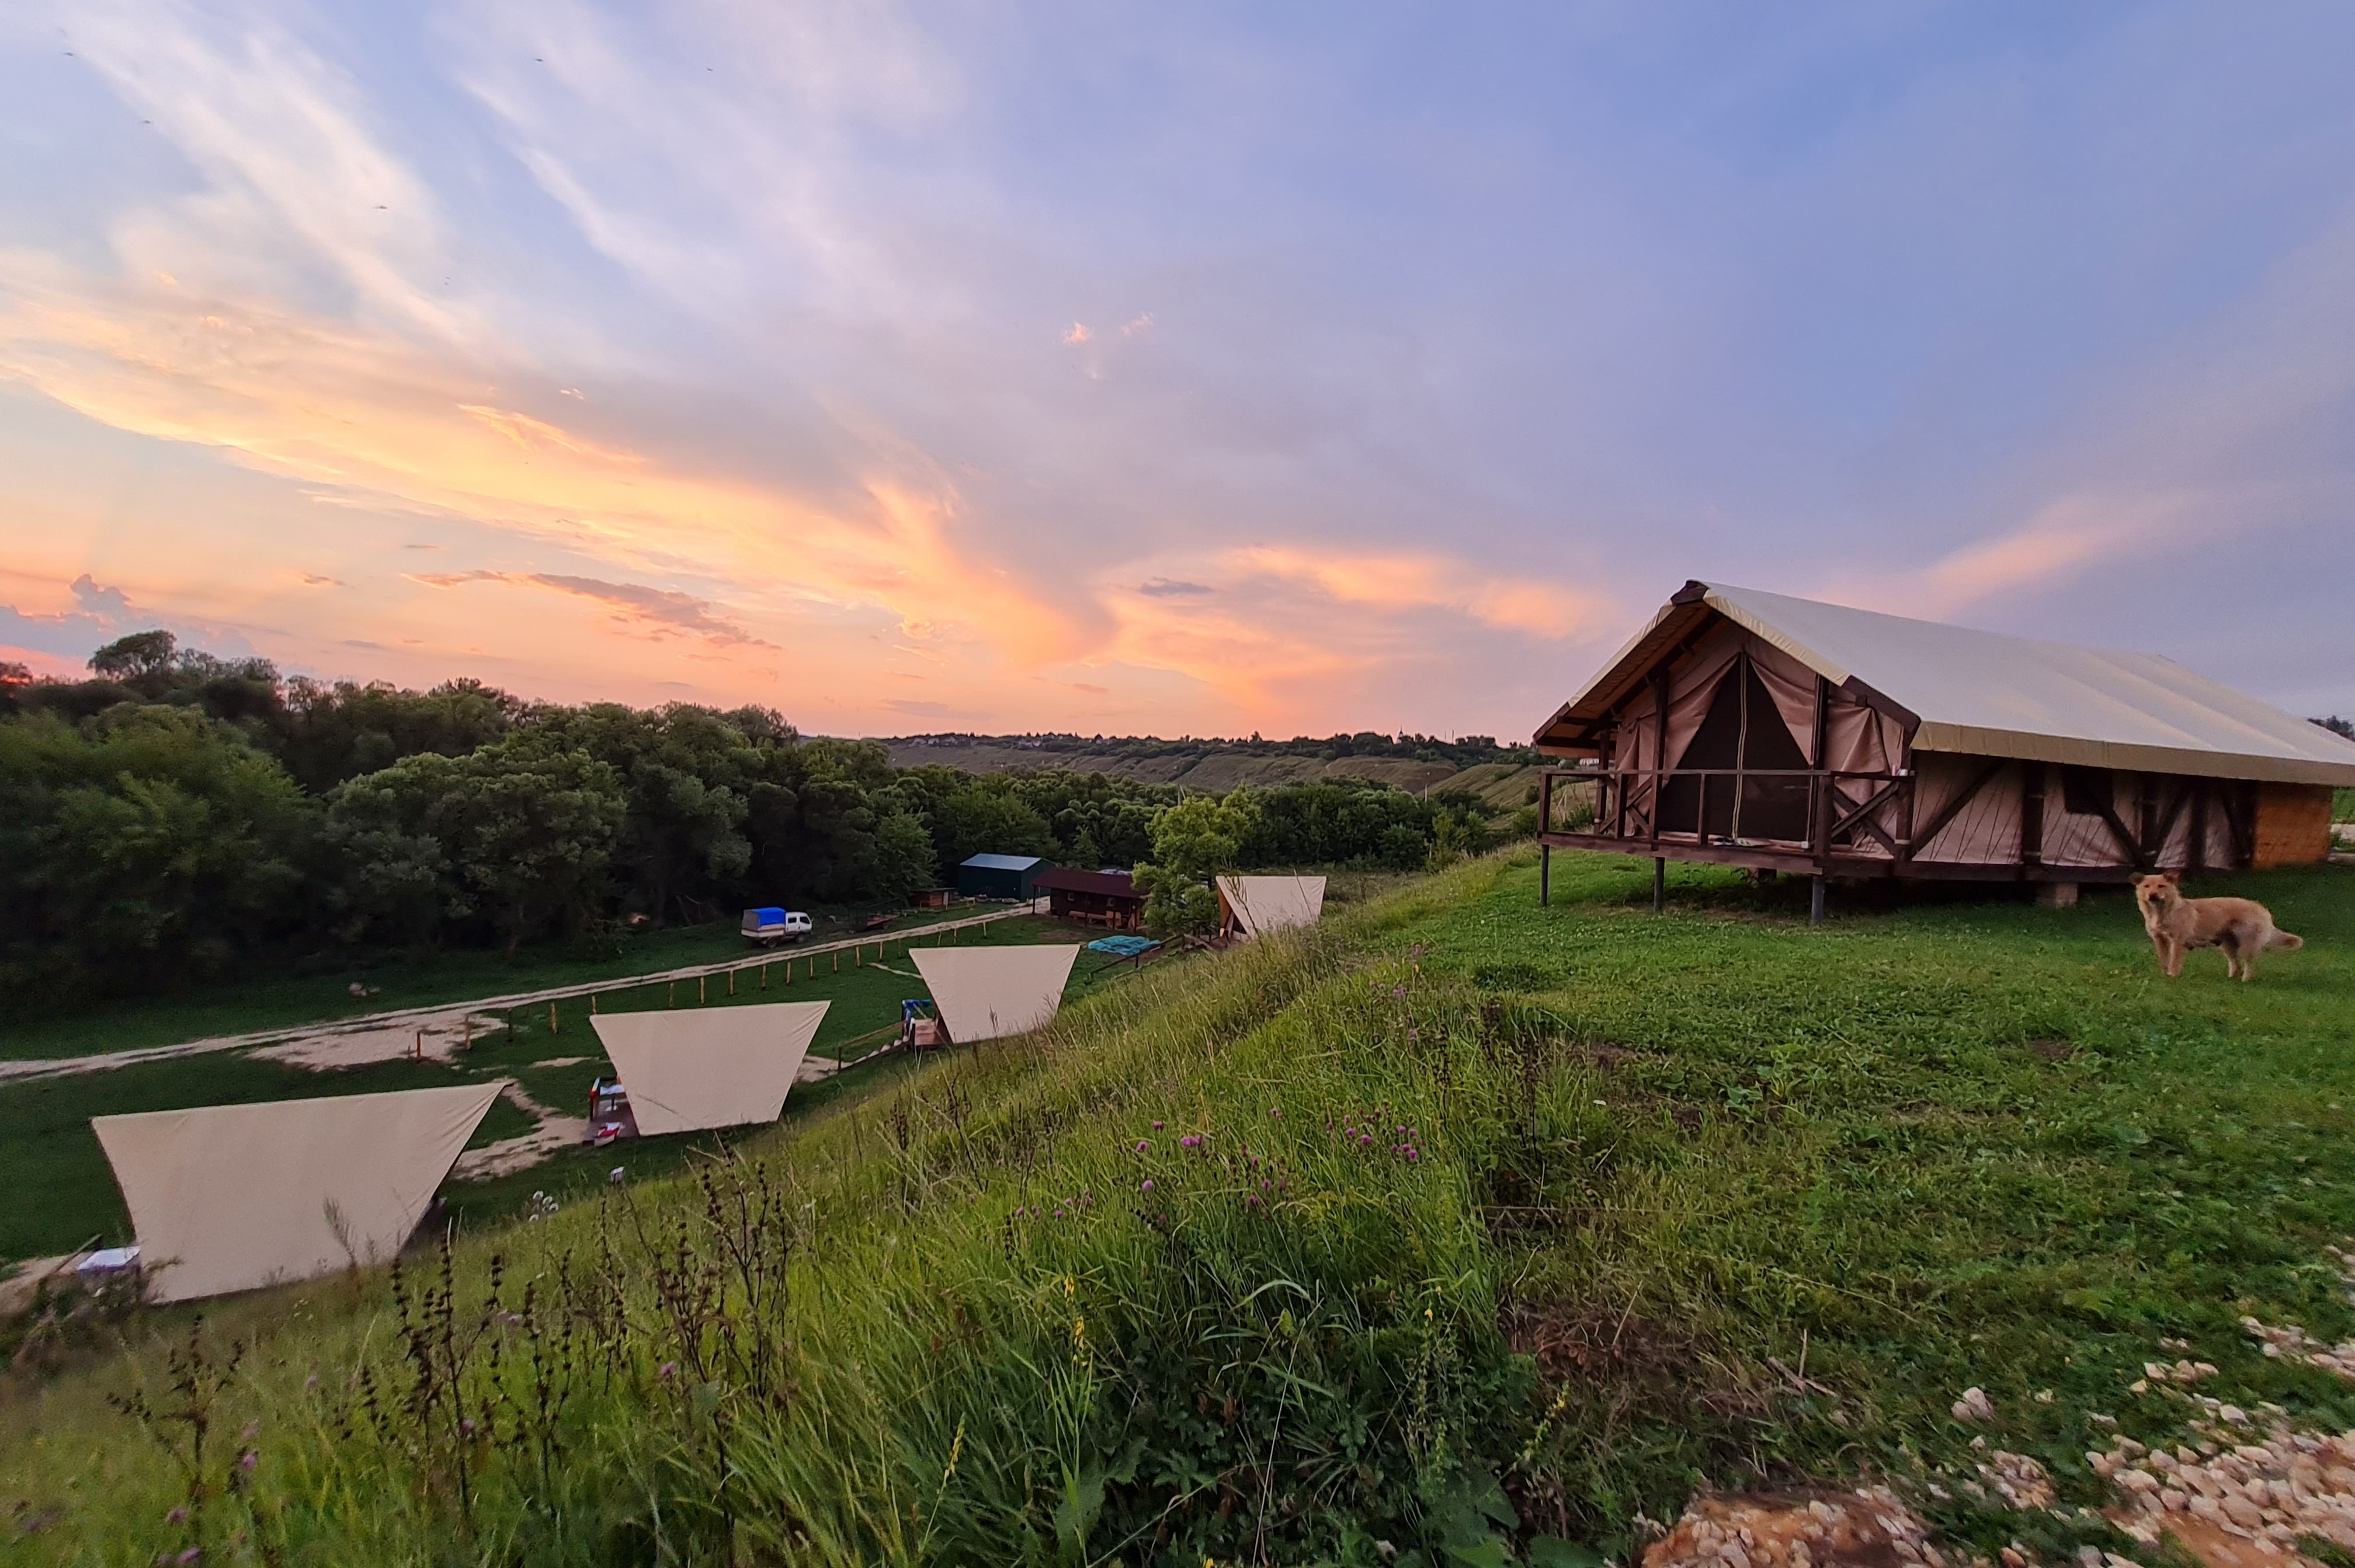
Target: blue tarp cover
1002	862
1125	946
767	915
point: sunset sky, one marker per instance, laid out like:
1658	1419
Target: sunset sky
1167	368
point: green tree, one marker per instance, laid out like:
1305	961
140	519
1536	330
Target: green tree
520	832
1193	842
151	844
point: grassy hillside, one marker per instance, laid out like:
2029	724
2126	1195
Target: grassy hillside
1448	1233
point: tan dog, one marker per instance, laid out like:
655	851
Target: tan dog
2242	927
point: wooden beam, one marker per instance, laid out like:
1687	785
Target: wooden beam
1948	812
2162	828
2109	815
2032	814
1862	817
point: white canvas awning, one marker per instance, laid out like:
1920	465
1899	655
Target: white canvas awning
1263	904
984	992
1986	694
714	1067
236	1196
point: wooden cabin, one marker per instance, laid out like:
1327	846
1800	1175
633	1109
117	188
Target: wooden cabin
1107	899
1757	730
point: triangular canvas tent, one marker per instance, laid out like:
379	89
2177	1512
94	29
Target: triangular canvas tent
715	1067
984	992
1263	904
236	1196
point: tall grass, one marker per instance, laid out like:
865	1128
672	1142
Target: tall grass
1447	1227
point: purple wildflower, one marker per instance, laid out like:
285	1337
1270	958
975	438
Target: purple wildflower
1148	1184
1142	1146
188	1557
177	1516
669	1369
1156	1126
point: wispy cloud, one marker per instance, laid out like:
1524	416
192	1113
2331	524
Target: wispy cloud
657	612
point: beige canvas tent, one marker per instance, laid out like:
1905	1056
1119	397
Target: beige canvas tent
983	993
235	1197
1258	905
714	1067
1758	730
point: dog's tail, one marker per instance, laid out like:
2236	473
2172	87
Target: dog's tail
2284	939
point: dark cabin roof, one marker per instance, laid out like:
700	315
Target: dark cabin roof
1108	884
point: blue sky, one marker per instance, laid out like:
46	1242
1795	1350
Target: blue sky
1157	368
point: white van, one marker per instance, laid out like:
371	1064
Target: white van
770	925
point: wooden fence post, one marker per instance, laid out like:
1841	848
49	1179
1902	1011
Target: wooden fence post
764	976
551	1017
672	1000
702	990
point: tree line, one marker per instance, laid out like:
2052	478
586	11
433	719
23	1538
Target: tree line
177	815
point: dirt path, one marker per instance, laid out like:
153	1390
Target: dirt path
377	1036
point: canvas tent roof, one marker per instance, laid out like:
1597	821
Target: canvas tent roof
1001	862
983	993
714	1067
1273	903
236	1196
1991	695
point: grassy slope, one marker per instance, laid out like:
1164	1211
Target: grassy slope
51	1163
1968	1144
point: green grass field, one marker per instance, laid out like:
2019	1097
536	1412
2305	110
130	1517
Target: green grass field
1460	1226
50	1158
323	993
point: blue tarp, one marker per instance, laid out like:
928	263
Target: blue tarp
1124	946
1003	862
769	915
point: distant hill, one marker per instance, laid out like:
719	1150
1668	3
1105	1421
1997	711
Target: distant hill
1499	775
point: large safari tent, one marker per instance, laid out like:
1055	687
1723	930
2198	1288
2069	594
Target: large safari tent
714	1067
987	993
227	1198
1757	730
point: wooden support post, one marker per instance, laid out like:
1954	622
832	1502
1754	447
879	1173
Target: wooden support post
672	1000
551	1017
1545	875
1815	901
837	960
764	976
731	982
702	990
2032	815
1659	884
592	1004
417	1051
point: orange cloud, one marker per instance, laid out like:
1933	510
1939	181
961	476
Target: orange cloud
364	411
